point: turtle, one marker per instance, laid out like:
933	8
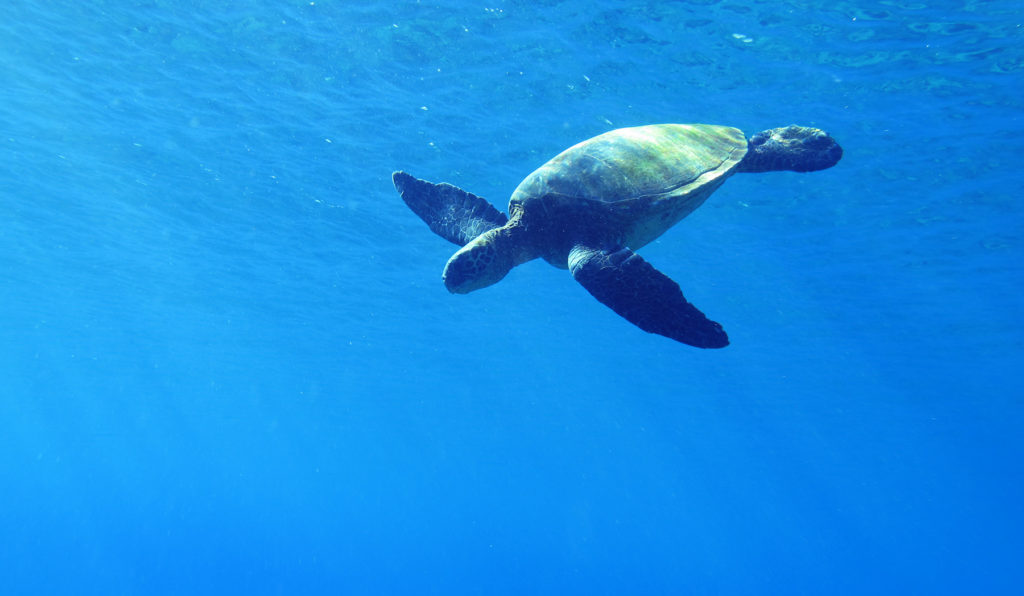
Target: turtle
591	206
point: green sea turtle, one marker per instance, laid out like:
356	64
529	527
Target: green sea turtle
592	205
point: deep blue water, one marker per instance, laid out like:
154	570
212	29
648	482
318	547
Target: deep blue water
228	364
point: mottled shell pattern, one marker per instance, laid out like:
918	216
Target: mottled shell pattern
652	176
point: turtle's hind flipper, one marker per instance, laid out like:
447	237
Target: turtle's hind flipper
452	213
643	295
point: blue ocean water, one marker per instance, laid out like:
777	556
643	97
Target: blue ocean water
229	365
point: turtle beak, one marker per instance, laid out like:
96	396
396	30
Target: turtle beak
827	149
812	149
463	272
474	266
455	278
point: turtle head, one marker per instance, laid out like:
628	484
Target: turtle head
482	262
794	148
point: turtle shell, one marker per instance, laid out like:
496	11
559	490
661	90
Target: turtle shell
647	177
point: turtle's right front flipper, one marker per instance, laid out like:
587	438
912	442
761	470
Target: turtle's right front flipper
644	296
452	213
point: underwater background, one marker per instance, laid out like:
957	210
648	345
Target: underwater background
228	363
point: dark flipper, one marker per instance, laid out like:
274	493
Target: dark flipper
452	213
643	295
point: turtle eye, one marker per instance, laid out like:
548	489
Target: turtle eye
758	139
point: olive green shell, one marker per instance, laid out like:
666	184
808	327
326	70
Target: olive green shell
650	177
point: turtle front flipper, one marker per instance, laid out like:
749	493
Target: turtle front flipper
452	213
643	295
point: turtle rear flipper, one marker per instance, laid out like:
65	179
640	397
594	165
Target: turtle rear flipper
644	296
452	213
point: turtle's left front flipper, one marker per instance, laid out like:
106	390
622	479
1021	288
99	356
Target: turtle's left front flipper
644	296
452	213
